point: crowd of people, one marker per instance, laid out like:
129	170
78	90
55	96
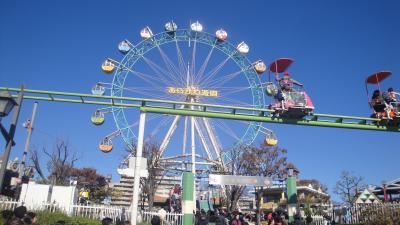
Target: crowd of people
20	216
279	217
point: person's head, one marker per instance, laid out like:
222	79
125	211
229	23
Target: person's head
286	74
20	211
27	220
155	220
390	89
376	93
32	216
16	221
127	223
106	221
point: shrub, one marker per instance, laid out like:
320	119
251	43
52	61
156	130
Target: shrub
46	218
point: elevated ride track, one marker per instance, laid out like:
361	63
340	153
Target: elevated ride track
205	110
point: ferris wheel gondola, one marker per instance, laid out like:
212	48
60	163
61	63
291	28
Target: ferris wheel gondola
98	89
243	48
146	33
259	67
97	118
221	35
124	46
170	27
106	145
108	66
270	137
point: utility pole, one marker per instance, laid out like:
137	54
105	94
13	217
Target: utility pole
29	126
11	132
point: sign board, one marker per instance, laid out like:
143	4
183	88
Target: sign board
130	171
239	180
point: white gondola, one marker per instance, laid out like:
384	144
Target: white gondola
108	66
124	46
259	67
146	33
171	26
196	27
221	35
98	89
243	48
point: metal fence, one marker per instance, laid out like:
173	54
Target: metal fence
360	213
168	218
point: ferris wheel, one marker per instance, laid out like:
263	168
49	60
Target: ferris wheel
186	65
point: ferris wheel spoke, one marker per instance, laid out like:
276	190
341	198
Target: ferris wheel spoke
227	92
214	71
223	79
151	94
213	138
229	100
169	134
163	122
226	129
169	64
202	139
181	62
159	71
193	63
149	79
204	65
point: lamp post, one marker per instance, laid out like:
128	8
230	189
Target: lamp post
7	103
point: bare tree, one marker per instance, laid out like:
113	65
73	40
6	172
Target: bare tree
264	161
156	172
235	167
348	186
59	165
253	160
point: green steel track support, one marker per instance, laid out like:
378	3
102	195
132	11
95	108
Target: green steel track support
206	110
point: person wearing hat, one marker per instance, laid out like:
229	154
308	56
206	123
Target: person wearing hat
392	95
286	82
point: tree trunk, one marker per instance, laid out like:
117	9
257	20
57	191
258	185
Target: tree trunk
258	195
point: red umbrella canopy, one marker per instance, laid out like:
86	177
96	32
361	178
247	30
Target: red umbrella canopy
377	77
280	65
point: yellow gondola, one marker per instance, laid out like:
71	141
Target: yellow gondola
270	138
97	118
106	145
108	66
270	141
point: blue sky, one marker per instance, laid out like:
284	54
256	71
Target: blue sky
336	44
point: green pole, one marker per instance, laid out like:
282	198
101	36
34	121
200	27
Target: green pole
188	203
291	190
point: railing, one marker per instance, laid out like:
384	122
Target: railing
98	212
361	213
169	218
95	211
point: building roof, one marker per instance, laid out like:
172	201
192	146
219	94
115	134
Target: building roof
392	187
